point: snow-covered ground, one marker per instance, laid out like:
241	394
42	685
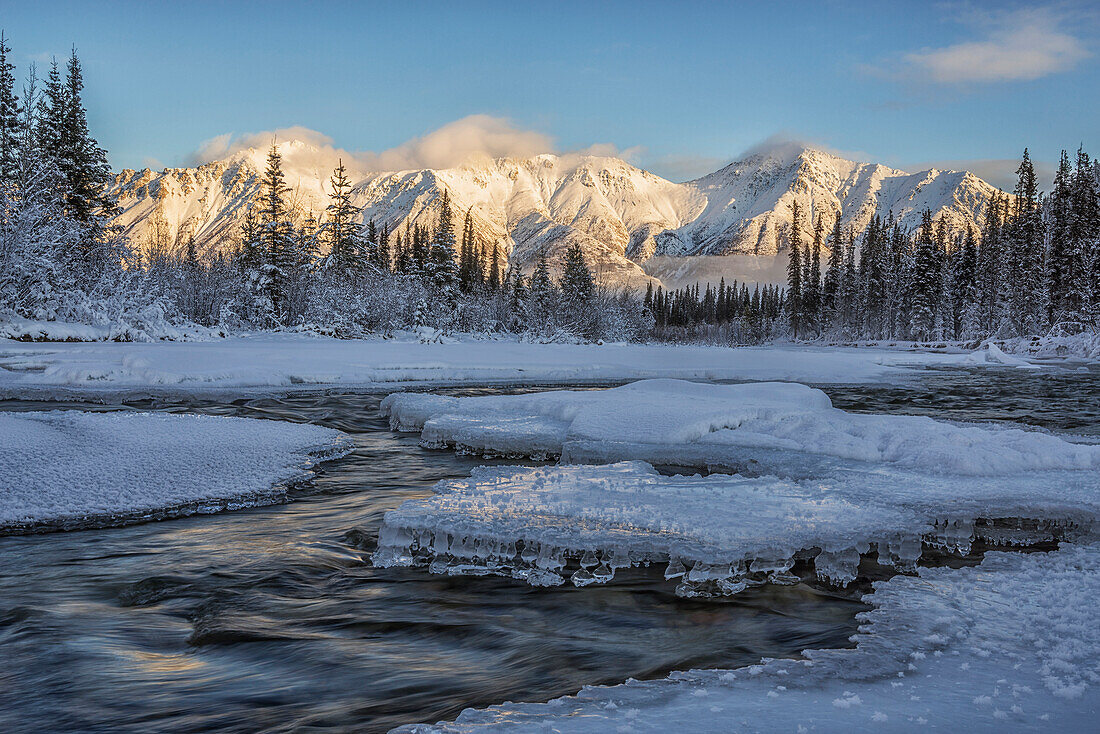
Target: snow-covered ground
71	468
281	362
776	427
1010	645
1082	347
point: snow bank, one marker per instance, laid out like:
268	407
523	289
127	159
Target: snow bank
1078	344
28	330
720	533
762	427
283	362
1010	645
69	468
990	353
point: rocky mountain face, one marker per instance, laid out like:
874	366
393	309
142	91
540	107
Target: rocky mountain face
619	214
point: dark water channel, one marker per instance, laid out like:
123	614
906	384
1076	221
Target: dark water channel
270	620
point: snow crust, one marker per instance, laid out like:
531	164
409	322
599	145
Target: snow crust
20	329
1077	345
1010	645
778	427
283	362
71	468
813	482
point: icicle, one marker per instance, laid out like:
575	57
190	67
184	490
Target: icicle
675	569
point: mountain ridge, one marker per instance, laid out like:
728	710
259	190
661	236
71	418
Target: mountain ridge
621	215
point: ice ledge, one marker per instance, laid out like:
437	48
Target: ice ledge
718	535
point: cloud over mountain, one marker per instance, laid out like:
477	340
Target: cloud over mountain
470	139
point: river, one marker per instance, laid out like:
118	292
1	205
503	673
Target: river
271	619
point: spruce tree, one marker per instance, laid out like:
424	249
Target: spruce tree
381	252
966	297
440	267
1025	277
1063	260
36	235
830	288
812	286
1084	234
250	257
517	297
50	117
543	299
10	112
372	234
925	283
849	284
81	159
794	270
403	263
340	233
418	251
990	264
578	292
276	237
494	270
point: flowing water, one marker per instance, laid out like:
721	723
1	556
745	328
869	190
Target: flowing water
270	619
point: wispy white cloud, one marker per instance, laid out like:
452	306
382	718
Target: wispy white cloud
225	145
789	145
685	167
464	141
786	145
1018	45
633	154
461	141
456	143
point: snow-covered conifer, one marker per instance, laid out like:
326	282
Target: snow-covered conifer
340	232
794	269
9	116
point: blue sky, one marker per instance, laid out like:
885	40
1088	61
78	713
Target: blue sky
676	87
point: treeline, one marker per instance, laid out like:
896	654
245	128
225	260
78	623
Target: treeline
1036	267
332	274
728	314
1033	265
62	261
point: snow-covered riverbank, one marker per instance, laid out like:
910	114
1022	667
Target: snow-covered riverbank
275	363
63	469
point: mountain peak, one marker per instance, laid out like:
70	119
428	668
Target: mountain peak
619	214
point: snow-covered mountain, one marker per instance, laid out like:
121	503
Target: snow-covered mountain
621	215
749	202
